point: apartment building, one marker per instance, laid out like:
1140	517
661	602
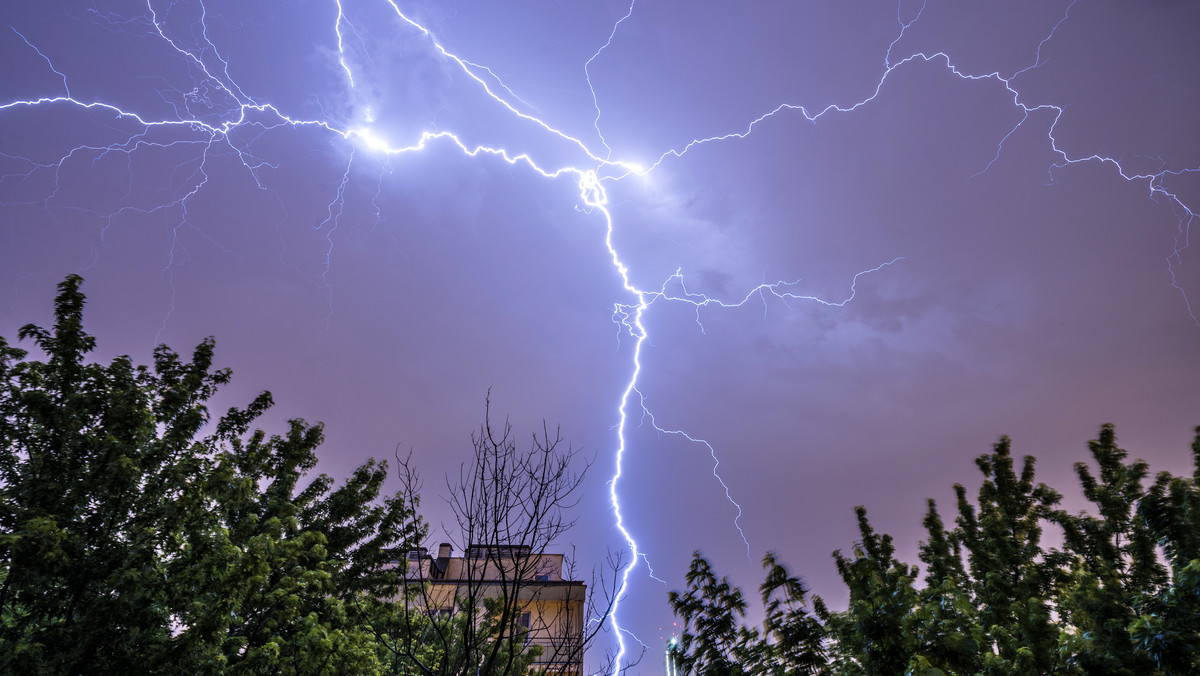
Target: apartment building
548	610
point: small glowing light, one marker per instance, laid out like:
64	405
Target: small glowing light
369	139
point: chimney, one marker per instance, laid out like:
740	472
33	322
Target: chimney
444	550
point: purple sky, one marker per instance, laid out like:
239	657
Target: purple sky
1034	163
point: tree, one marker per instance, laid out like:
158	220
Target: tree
870	637
712	643
1116	567
1011	577
791	641
137	536
500	615
945	624
1166	627
994	601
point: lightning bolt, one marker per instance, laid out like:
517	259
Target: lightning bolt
218	116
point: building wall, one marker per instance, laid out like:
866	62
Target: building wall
550	608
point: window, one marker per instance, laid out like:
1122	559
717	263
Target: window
524	632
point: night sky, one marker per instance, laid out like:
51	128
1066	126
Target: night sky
1028	169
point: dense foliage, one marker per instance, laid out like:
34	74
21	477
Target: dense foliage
140	536
1121	595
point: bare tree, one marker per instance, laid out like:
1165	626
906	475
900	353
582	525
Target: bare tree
509	604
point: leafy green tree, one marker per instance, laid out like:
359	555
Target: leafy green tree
413	641
137	535
994	601
1166	627
711	608
870	636
792	640
1116	567
1012	578
945	623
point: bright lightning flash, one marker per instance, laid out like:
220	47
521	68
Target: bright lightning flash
225	108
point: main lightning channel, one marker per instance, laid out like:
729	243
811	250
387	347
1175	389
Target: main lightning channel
242	110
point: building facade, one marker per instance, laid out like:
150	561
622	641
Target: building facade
546	610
